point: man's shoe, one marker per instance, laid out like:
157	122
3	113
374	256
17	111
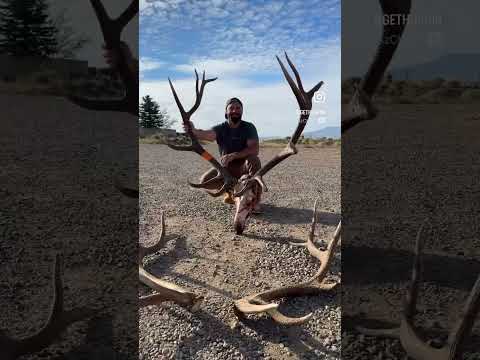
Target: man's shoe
227	199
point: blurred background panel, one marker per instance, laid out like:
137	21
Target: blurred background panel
415	161
61	216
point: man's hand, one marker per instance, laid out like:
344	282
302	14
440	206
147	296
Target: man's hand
112	57
226	159
188	126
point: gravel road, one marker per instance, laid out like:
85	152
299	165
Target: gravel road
204	255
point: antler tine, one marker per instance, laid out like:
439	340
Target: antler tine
412	293
292	84
299	80
112	29
386	48
157	245
128	14
222	190
295	72
177	100
261	302
325	257
199	92
58	320
166	291
102	17
315	89
204	185
466	319
197	89
47	333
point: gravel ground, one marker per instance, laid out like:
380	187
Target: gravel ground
412	162
204	255
57	193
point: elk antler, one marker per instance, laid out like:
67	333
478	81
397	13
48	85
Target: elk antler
166	291
112	30
361	108
414	346
228	179
304	100
58	320
261	302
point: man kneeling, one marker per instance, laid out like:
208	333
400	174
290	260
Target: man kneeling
238	146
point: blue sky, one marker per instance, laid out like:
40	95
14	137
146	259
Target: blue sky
236	41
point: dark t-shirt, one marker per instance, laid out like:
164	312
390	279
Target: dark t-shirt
232	140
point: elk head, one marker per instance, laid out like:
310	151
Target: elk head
245	204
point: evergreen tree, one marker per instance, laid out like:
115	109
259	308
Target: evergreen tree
150	116
26	29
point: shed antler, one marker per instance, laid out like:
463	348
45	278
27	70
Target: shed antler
304	100
361	108
57	322
261	302
228	179
414	346
112	30
166	291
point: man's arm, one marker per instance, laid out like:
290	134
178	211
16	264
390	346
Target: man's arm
251	149
206	135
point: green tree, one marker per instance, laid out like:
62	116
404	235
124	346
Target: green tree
151	116
150	113
68	40
26	29
165	119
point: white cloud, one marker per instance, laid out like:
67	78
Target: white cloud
148	64
213	67
237	41
272	108
240	27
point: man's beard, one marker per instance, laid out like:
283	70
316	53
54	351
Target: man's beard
235	118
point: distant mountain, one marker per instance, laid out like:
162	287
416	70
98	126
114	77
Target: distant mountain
272	137
462	67
328	132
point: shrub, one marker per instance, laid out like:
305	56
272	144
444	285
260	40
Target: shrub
471	96
442	95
